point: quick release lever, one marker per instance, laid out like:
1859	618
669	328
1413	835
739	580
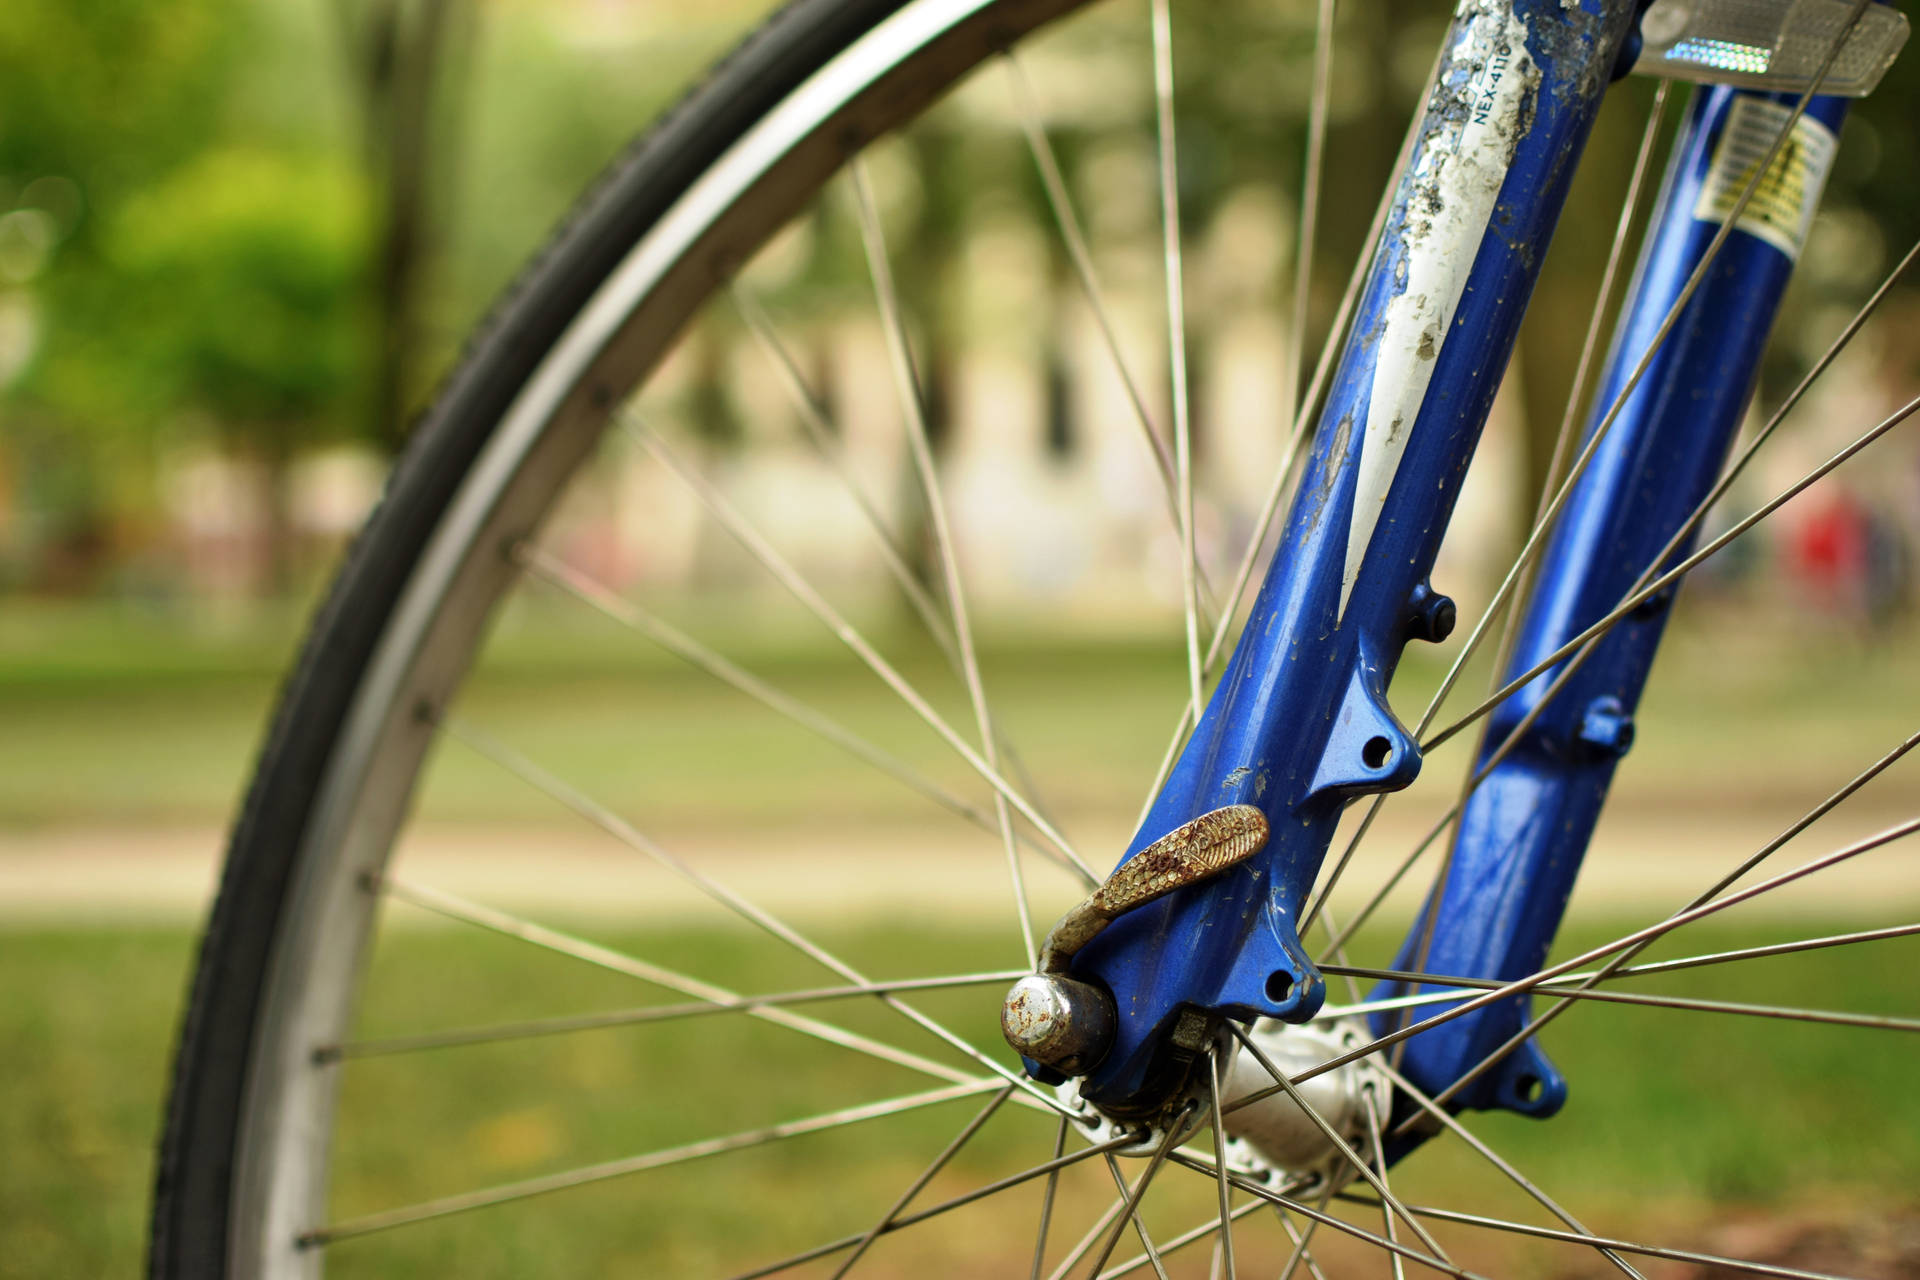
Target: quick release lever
1064	1023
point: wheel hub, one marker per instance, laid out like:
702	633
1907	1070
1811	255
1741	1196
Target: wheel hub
1271	1136
1275	1131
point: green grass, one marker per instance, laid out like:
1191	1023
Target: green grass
1674	1119
121	714
141	716
88	1022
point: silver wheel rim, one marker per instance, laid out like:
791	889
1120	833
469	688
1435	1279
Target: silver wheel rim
287	1113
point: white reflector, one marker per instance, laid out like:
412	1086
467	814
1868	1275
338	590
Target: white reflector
1769	44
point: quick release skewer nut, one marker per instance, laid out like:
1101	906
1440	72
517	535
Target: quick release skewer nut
1068	1025
1058	1021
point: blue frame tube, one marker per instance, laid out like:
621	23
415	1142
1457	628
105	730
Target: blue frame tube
1525	830
1299	724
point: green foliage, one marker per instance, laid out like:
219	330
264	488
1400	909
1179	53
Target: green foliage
102	105
215	230
113	92
242	275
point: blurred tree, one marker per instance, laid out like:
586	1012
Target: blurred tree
112	112
406	62
112	92
241	297
96	100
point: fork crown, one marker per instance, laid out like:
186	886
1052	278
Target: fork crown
1299	724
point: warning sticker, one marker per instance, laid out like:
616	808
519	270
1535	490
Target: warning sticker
1783	202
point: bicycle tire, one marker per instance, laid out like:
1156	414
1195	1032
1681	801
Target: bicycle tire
196	1164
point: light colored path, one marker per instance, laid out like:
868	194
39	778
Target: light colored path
1641	861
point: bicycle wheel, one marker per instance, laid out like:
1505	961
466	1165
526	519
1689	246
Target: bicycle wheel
301	1131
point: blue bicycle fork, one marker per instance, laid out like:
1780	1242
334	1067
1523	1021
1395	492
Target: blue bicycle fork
1525	828
1299	725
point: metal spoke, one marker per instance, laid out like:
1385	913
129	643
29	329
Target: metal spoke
1298	441
1521	985
1090	1239
1725	882
1648	586
1014	1180
1204	1166
1494	1158
820	434
1380	1158
927	1175
1794	398
1673	544
1511	742
1269	507
1774	949
1046	1202
1558	488
535	1027
1549	504
455	908
1302	1237
736	524
1678	307
1317	114
1586	642
1361	1008
1298	438
549	1183
1439	828
1424	999
1067	220
1315	909
683	646
1513	739
920	445
1139	1227
945	1206
1181	1241
1205	1229
1332	927
1352	1157
1220	1159
1880	1022
1623	1246
1564	438
1176	334
626	833
1130	1205
1635	599
825	442
1567	433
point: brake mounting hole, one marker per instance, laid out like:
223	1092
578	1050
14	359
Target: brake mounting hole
1376	752
1279	986
1528	1088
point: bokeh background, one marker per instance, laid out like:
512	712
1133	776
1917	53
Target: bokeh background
241	240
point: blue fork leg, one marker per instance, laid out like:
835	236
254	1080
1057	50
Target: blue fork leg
1299	724
1524	831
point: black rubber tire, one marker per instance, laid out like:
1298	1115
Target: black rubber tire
193	1182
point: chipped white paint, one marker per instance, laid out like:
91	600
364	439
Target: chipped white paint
1455	182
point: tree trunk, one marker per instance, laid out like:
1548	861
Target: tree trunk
403	55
